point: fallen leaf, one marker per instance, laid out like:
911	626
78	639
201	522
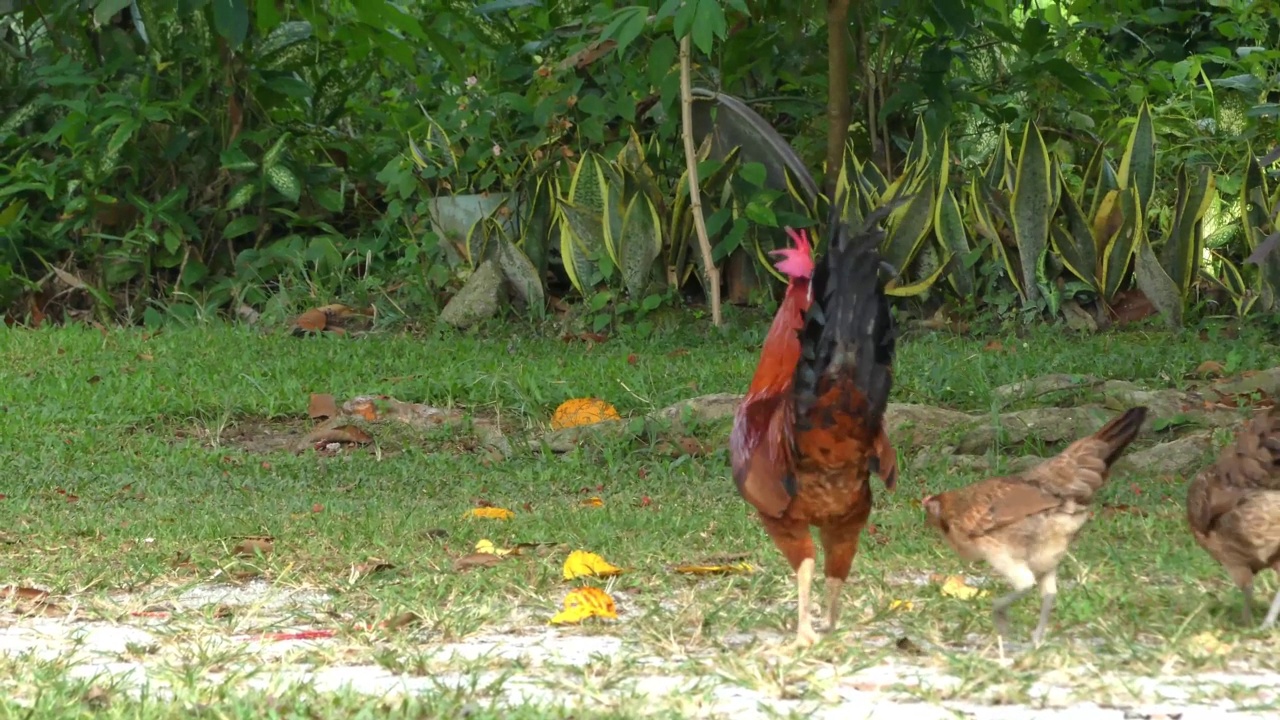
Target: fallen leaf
312	320
906	605
97	697
904	644
994	346
592	502
632	359
364	407
95	379
368	568
489	513
1206	643
343	435
487	547
1210	368
585	602
23	593
402	620
678	352
954	586
582	411
475	560
253	546
733	569
317	508
581	563
322	407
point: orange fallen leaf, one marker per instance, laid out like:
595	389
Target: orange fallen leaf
582	411
585	602
322	407
592	502
489	513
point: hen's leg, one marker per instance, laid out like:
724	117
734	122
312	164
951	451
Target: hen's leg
1272	613
796	544
839	545
1022	580
1048	593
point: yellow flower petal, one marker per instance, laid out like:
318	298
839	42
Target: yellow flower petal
906	605
491	513
581	563
487	547
585	602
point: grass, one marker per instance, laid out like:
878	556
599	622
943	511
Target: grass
129	474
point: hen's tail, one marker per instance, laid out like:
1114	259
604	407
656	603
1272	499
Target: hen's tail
848	331
1118	433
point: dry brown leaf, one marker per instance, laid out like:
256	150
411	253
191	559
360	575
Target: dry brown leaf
366	569
402	620
1210	368
343	434
311	321
476	560
23	593
97	697
322	406
253	546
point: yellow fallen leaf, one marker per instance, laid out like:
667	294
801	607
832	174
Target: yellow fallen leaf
491	513
487	547
906	605
1206	643
954	586
581	563
593	502
584	602
730	569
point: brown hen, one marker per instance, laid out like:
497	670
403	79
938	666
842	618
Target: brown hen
1023	525
1233	507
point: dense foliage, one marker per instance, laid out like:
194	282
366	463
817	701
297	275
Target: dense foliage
180	159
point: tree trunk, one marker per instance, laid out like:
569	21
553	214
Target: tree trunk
838	108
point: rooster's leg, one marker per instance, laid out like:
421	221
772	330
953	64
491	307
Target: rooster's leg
805	636
796	544
1048	593
1272	613
839	545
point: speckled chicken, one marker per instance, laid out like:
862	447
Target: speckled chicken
1022	525
1233	507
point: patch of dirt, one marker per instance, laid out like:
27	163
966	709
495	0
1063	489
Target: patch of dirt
278	637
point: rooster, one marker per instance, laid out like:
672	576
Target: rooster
810	430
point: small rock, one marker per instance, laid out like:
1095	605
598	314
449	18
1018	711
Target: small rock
478	300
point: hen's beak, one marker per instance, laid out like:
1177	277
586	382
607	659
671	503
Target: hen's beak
885	266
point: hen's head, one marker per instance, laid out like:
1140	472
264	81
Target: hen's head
795	262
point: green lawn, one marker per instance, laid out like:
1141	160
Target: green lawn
125	470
